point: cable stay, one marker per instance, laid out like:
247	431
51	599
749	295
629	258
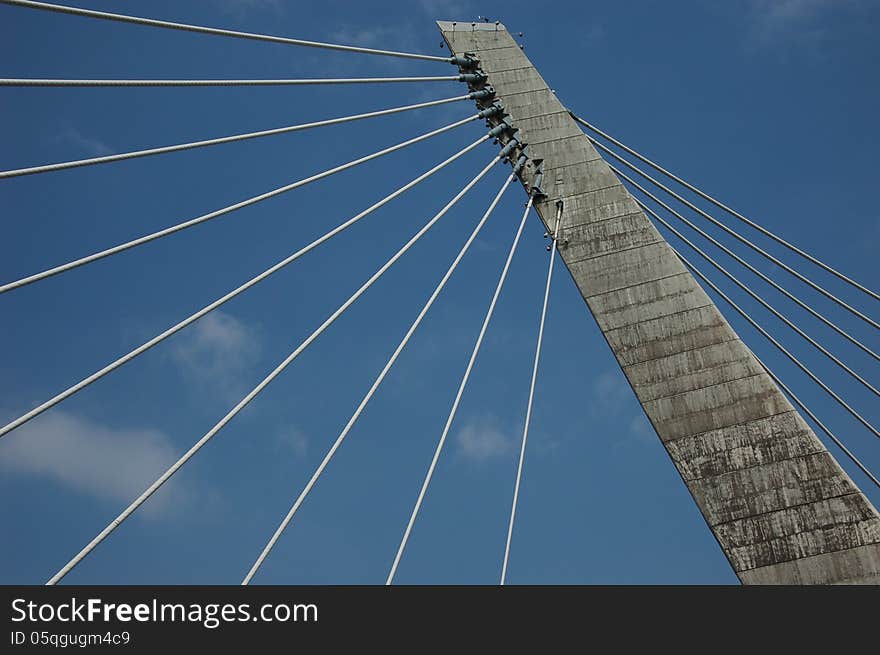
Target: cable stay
225	139
77	11
738	236
761	300
740	284
253	393
33	82
226	210
112	366
806	410
781	348
732	212
522	451
375	386
770	372
460	392
744	263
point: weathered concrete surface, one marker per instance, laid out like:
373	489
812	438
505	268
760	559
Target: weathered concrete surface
782	509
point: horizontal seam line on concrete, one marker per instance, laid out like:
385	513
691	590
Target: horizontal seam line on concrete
749	422
571	137
732	425
795	534
708	386
597	207
536	142
637	284
821	450
796	505
793	507
648	320
514	70
612	252
527	117
616	217
498	47
604	188
718	407
825	554
552	169
697	435
794	559
702	370
711	345
490	73
502	96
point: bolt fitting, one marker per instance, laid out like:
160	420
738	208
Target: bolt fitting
501	128
483	94
491	111
506	150
464	62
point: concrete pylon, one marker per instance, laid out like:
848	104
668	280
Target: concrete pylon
780	506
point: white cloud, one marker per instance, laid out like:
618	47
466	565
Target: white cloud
611	392
777	21
614	399
368	37
111	464
217	351
481	439
294	440
448	9
242	7
641	429
87	145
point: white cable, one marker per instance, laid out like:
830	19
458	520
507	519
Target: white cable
458	395
522	451
736	235
825	429
76	11
779	346
366	399
262	385
746	264
31	82
232	294
730	276
225	210
730	211
213	142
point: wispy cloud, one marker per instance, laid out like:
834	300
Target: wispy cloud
611	392
242	7
88	146
613	399
217	351
481	439
772	22
377	36
448	9
108	463
293	440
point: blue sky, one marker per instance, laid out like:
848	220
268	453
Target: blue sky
771	106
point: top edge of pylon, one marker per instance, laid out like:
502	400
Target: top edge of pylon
469	26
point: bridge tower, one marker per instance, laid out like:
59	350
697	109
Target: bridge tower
780	506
